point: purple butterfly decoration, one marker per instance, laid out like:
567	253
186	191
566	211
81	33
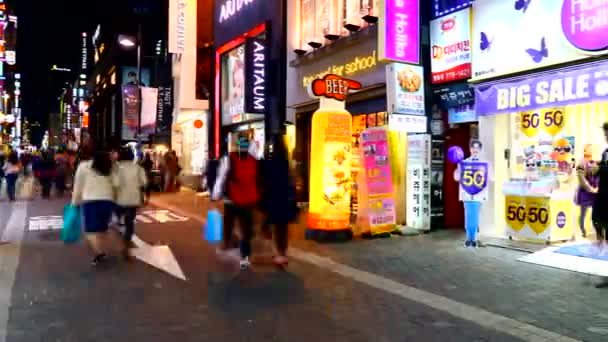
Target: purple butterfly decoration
538	55
485	43
522	5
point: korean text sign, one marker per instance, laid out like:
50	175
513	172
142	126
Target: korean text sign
451	47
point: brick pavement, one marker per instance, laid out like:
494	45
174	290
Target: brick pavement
488	278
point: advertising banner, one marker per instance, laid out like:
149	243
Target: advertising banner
177	25
164	109
256	73
378	176
399	31
130	111
513	36
563	88
129	76
149	102
418	203
451	47
407	123
405	89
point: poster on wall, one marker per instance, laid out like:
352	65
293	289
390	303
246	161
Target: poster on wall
256	74
199	146
379	182
129	76
149	102
451	47
233	86
399	31
508	38
130	111
405	89
418	202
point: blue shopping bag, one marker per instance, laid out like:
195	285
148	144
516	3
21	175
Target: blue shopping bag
70	232
213	229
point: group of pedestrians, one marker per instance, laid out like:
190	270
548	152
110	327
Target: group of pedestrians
111	183
246	185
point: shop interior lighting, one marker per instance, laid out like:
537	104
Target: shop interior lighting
370	19
332	37
315	45
352	28
300	52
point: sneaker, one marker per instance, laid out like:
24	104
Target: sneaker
468	243
244	264
98	259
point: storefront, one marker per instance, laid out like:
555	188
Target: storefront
356	40
537	127
249	96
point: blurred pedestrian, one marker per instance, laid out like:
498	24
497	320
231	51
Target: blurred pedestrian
94	193
129	180
11	171
44	170
239	183
587	188
148	165
61	171
278	198
171	170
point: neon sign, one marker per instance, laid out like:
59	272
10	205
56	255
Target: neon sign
352	67
256	73
231	7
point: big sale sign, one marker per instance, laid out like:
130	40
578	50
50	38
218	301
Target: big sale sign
451	47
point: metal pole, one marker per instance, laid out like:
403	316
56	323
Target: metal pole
139	62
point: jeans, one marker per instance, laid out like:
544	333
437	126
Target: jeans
471	220
245	217
11	181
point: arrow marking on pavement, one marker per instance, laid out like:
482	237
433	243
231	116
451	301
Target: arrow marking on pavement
159	257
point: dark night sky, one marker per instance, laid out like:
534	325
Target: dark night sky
49	33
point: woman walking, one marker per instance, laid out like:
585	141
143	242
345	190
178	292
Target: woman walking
148	165
587	188
94	193
129	180
11	172
278	199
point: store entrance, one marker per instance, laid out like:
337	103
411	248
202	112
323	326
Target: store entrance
457	135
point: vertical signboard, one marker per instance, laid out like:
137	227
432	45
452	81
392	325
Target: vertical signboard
399	31
177	25
256	72
405	89
418	202
451	47
149	99
164	109
130	111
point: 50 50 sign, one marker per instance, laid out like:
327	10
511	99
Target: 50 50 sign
550	120
529	211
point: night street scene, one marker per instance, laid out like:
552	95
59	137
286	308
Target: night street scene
303	170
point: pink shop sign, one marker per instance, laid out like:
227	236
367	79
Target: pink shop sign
399	31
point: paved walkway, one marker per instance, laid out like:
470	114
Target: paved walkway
487	286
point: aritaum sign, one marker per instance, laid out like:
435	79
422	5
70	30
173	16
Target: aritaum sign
231	7
256	73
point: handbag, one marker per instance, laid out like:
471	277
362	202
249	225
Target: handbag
70	232
212	231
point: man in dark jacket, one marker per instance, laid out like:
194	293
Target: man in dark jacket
600	214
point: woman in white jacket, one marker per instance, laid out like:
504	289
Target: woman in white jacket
94	193
129	180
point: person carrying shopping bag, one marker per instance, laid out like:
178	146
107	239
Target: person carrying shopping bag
94	194
239	183
129	180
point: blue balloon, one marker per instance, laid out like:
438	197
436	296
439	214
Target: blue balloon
455	154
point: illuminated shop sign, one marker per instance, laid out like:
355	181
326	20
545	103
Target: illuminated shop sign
11	57
451	47
177	26
399	31
83	57
349	68
256	75
232	7
96	35
564	88
445	7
